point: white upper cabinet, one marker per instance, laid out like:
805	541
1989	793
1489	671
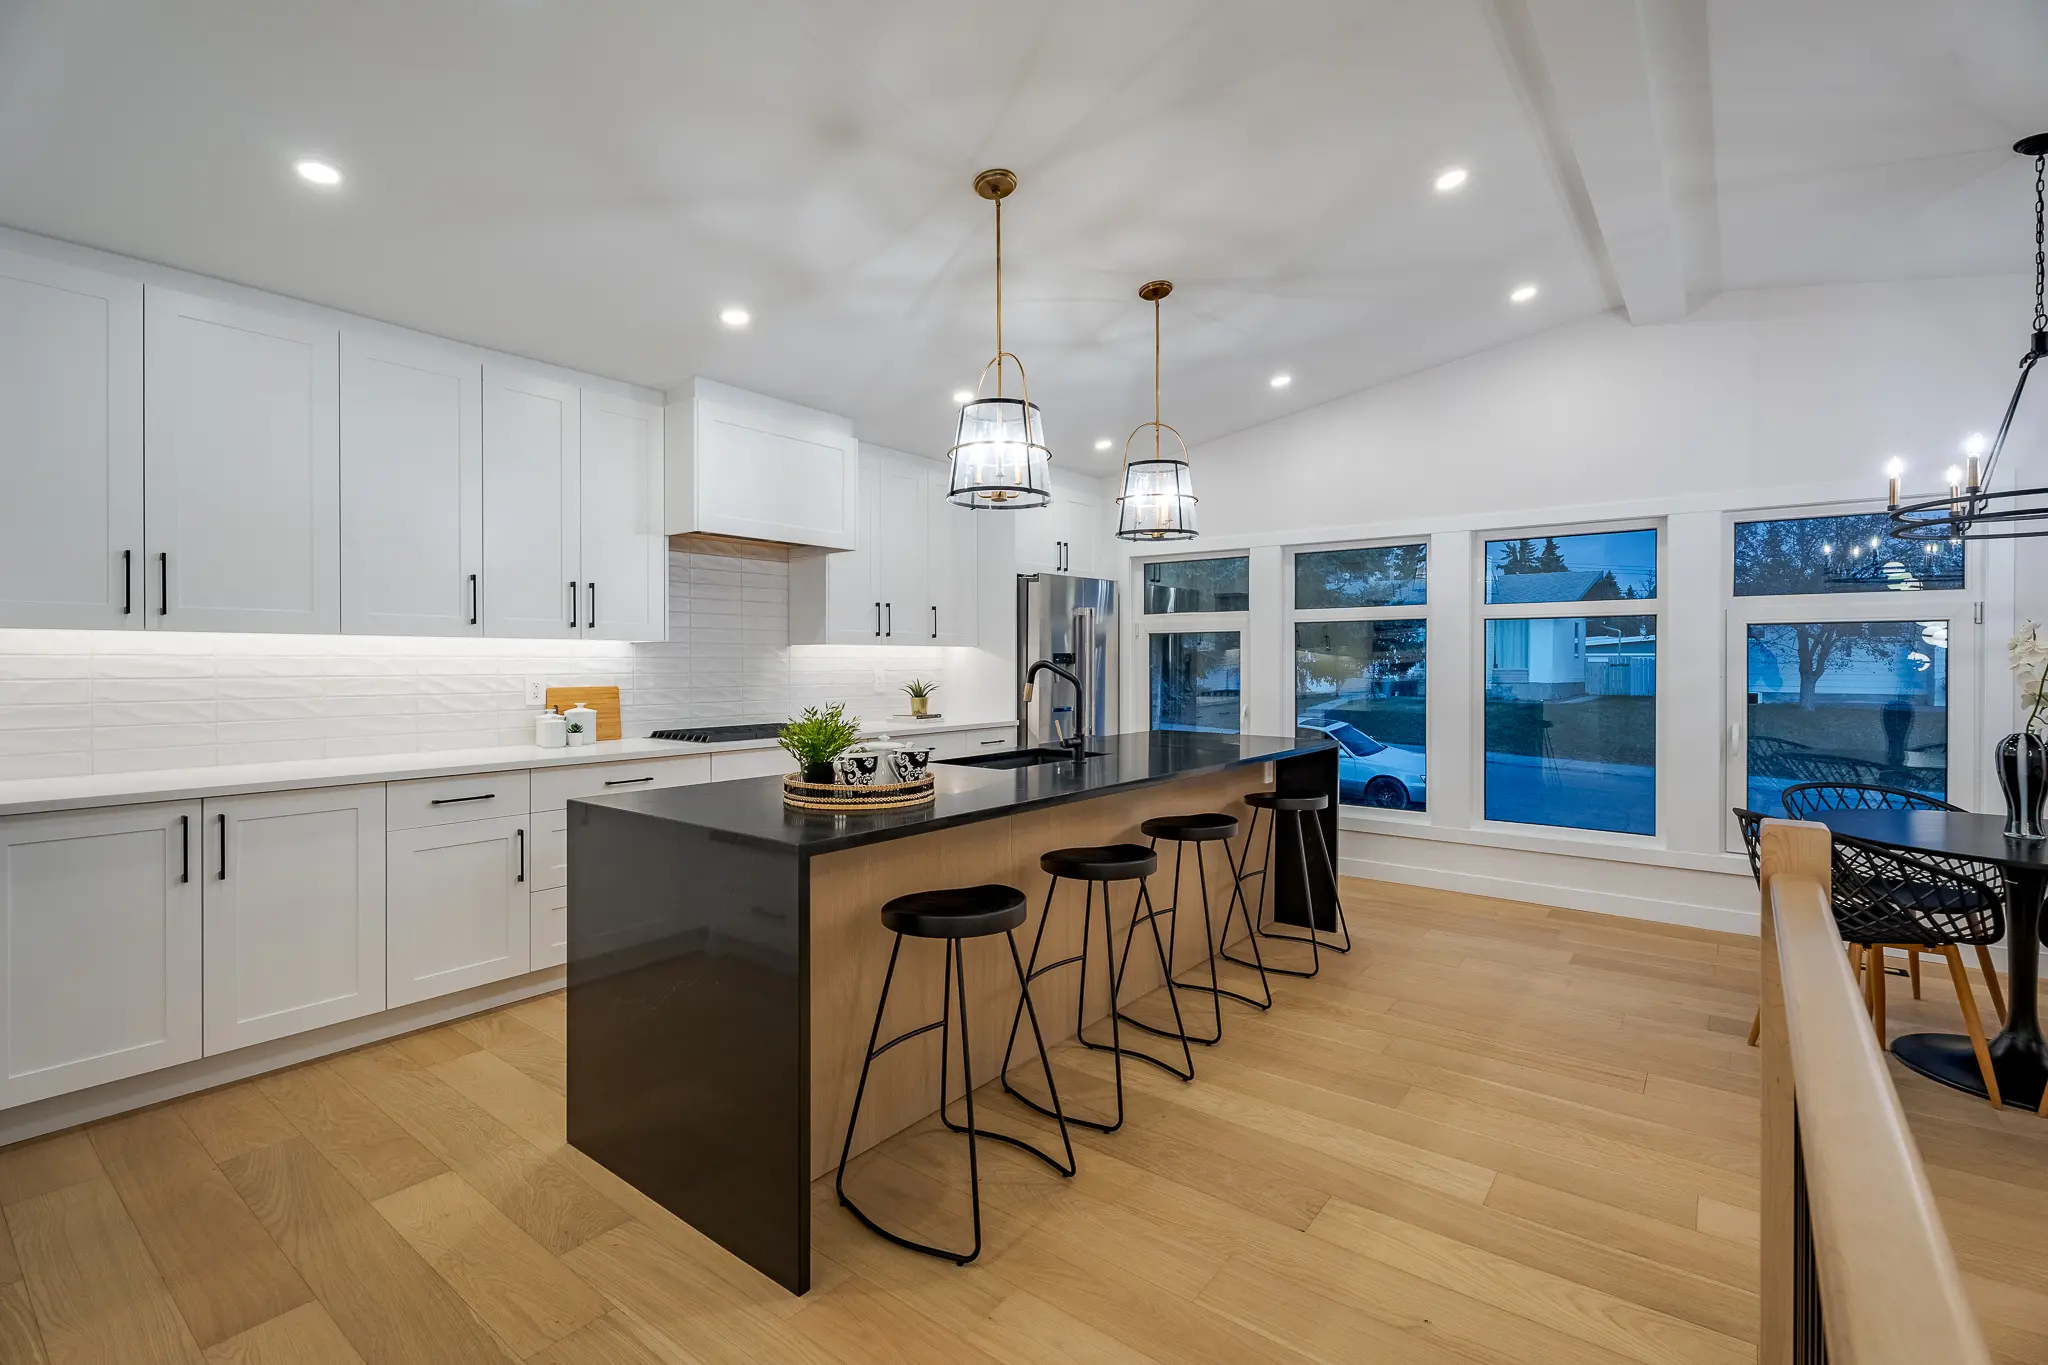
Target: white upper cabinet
412	487
914	577
533	576
242	482
71	435
99	947
624	550
898	540
1081	534
952	565
740	464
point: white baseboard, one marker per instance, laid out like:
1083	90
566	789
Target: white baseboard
189	1078
1628	905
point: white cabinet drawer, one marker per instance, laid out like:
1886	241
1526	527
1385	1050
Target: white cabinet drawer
961	743
446	800
550	928
550	849
554	788
750	763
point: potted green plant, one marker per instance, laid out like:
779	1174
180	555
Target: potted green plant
920	693
817	737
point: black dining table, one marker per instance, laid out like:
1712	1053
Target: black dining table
2019	1054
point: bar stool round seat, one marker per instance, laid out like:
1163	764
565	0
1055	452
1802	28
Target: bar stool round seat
1191	829
1105	863
1275	801
956	912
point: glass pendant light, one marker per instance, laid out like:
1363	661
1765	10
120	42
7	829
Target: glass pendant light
1158	501
1000	462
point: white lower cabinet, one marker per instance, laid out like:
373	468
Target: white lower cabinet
550	927
459	913
961	743
99	946
294	912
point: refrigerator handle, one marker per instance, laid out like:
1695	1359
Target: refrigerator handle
1084	668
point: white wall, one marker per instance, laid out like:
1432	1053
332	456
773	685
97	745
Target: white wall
1761	399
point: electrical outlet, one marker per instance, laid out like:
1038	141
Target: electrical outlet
881	681
536	691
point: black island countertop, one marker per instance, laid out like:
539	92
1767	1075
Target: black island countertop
696	995
750	810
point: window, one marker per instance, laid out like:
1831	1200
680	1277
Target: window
1361	667
1801	555
1196	681
1198	585
1847	683
1570	700
1847	701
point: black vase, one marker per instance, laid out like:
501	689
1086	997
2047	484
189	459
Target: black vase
821	773
2007	752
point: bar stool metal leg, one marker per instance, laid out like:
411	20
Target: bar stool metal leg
1238	874
1179	1032
1034	971
1304	823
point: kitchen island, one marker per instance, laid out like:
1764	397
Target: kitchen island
725	957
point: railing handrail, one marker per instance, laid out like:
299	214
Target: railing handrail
1889	1289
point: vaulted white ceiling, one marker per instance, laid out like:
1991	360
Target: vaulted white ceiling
590	181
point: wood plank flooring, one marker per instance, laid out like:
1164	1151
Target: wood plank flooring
1494	1133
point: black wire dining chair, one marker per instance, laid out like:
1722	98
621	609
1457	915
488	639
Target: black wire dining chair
1803	799
1883	897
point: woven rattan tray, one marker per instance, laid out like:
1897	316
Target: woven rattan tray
841	799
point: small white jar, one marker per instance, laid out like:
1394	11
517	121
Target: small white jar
551	729
582	722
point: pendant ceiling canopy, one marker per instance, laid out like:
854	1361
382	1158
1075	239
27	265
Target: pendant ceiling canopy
999	457
1158	497
1971	511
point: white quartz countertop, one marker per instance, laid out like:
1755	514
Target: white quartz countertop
183	784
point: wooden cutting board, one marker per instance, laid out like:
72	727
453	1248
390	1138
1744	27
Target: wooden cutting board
603	700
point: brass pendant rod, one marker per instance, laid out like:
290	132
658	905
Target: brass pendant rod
1155	379
999	298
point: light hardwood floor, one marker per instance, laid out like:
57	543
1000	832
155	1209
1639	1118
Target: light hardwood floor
1494	1133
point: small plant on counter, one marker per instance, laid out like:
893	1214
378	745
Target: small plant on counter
920	693
817	737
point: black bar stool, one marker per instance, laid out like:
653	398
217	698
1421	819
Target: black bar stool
1104	865
1302	810
954	916
1201	830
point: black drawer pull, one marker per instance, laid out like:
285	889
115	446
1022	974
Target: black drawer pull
627	781
461	800
185	843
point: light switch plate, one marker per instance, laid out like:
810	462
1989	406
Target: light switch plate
536	691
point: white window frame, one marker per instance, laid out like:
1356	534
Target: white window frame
1484	611
1297	615
1961	607
1148	624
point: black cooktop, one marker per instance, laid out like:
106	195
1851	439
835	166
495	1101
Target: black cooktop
720	734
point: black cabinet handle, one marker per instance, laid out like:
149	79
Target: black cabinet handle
891	606
127	582
472	599
590	617
1003	740
627	781
935	623
223	846
461	800
878	620
573	600
522	855
185	845
163	583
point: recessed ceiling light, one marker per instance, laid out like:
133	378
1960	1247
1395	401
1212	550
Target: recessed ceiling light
963	395
1104	444
1522	294
1450	180
318	173
735	317
1281	381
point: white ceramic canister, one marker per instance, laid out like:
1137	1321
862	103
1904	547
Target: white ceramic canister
582	723
551	729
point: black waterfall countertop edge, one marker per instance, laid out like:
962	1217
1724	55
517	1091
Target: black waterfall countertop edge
750	810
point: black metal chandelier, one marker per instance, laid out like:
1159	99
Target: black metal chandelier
1971	511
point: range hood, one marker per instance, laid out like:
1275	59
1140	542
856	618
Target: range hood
750	467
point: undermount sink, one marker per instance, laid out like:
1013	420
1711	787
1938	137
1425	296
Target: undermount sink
1017	758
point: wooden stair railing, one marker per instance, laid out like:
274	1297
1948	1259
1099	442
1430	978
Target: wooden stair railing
1856	1267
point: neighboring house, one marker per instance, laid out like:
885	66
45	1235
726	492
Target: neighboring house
1570	585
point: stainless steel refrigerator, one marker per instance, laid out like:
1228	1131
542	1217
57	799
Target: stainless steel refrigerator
1072	622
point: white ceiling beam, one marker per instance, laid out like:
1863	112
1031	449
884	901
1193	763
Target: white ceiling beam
1619	90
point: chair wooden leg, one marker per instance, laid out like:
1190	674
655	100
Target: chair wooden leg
1991	981
1968	999
1756	1027
1913	967
1874	974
